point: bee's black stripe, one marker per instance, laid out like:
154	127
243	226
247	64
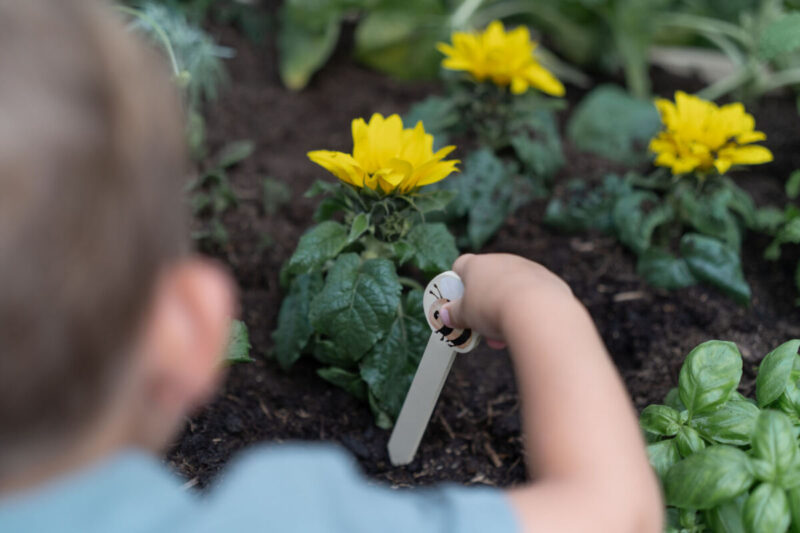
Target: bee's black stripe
463	338
444	330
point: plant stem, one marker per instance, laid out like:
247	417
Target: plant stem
464	13
410	283
162	35
725	85
780	79
707	25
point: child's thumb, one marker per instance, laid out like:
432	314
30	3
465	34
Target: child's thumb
452	315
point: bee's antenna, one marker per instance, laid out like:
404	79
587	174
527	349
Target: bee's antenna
439	291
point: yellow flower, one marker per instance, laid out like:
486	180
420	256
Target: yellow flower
388	157
506	58
699	136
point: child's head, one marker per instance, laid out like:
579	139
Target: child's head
108	330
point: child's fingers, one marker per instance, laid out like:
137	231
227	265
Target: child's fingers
452	315
495	345
460	264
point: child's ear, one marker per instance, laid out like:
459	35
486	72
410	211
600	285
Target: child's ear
186	334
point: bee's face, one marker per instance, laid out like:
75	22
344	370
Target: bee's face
434	313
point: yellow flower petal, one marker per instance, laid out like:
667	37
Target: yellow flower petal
504	57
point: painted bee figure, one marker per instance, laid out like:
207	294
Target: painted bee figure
456	338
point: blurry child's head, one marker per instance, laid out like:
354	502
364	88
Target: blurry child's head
109	331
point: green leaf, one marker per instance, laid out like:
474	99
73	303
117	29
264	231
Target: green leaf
389	367
585	209
660	419
239	344
357	304
673	399
401	41
637	215
662	456
439	115
294	330
235	152
793	499
358	227
710	214
716	263
329	353
614	125
428	201
774	372
689	441
317	246
767	510
789	233
434	248
727	517
774	441
303	47
709	376
536	142
780	37
275	194
769	219
661	269
793	185
732	423
322	187
708	478
349	381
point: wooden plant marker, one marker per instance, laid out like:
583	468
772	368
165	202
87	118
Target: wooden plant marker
443	345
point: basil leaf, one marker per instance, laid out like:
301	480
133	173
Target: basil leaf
689	441
727	517
710	374
673	399
733	423
660	419
707	478
793	499
774	372
773	441
358	303
661	269
294	330
318	245
767	510
663	455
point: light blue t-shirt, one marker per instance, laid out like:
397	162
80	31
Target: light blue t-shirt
281	489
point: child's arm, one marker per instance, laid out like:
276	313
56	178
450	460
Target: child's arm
585	451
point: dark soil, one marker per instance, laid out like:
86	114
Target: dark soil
474	436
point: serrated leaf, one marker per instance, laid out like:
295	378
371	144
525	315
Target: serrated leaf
434	248
712	261
710	214
235	152
661	269
536	142
349	381
789	233
663	455
612	124
584	208
428	201
709	376
321	187
438	113
636	217
774	372
318	245
329	353
357	304
767	510
708	478
389	367
294	330
780	37
239	344
359	225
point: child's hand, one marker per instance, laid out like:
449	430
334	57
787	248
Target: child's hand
495	285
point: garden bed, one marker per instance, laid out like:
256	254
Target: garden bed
474	435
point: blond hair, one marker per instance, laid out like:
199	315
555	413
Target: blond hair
91	168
